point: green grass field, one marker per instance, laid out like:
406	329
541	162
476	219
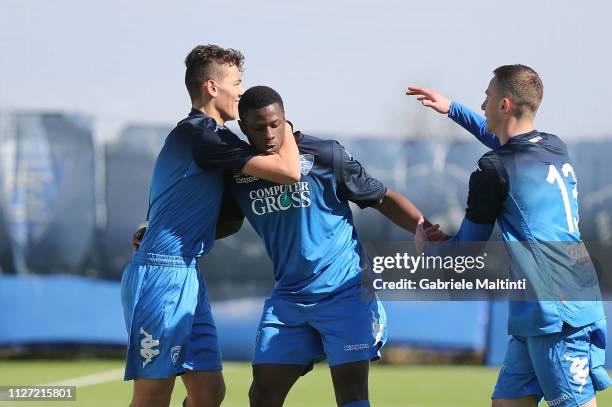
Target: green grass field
390	386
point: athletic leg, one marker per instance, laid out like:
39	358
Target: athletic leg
351	382
203	377
204	388
152	392
271	383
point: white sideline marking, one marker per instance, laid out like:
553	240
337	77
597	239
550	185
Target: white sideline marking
90	380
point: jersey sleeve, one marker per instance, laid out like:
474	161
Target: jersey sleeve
221	149
487	191
353	182
474	123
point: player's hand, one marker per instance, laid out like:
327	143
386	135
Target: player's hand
137	238
434	234
420	237
430	98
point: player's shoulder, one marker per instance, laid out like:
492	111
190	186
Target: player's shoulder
552	141
203	127
197	121
322	149
490	166
490	161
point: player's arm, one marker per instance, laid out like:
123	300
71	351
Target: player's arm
487	190
283	167
356	185
226	151
230	216
471	121
401	211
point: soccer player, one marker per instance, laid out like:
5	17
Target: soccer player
167	315
528	185
316	309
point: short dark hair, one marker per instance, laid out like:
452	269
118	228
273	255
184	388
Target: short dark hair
203	63
523	85
257	97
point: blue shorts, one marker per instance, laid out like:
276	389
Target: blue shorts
565	368
343	327
168	319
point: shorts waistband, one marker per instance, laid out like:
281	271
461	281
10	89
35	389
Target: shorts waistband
164	260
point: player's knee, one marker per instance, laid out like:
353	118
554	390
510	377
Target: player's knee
211	396
152	392
261	395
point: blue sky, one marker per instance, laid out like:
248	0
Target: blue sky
341	66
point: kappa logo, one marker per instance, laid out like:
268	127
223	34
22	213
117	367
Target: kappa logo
535	139
174	354
240	178
557	402
306	163
477	168
147	344
358	346
579	369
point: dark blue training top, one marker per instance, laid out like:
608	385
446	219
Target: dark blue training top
307	227
187	186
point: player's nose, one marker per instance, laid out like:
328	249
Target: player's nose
269	134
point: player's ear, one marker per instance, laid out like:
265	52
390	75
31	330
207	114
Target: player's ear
210	87
506	106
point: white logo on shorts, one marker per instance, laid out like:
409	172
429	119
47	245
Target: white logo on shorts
174	354
147	344
556	402
377	329
579	370
359	346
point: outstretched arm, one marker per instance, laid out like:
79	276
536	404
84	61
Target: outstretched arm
466	118
401	211
356	185
487	192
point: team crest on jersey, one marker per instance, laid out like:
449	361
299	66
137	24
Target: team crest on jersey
306	163
174	354
146	347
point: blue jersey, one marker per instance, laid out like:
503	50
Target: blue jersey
187	186
307	227
529	186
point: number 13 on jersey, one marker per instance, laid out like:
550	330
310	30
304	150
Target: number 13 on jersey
555	177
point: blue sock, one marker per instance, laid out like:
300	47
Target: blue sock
360	403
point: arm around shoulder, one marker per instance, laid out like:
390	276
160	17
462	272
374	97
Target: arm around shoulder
282	168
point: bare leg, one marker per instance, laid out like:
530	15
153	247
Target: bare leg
204	388
271	384
152	392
